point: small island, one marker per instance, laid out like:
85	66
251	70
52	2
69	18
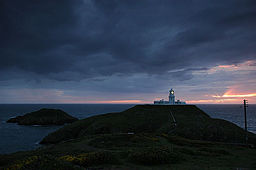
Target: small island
44	117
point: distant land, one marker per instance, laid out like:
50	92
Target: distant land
44	117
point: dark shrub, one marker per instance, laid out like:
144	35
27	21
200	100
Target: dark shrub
214	151
153	156
185	151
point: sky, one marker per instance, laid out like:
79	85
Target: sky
129	51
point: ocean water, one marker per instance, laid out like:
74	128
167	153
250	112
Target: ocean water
15	137
233	113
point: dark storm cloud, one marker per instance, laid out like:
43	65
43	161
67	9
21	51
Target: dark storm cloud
75	40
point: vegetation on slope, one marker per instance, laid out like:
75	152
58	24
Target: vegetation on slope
133	151
106	142
192	123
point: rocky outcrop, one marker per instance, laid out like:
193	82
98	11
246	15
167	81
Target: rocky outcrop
44	117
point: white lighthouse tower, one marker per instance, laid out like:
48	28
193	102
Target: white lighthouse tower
171	97
171	100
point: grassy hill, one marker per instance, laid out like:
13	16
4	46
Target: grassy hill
192	123
142	137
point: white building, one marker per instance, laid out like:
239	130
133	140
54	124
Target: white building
171	100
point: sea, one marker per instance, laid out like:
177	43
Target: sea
14	138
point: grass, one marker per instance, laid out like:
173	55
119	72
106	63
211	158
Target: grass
104	142
90	159
192	123
143	151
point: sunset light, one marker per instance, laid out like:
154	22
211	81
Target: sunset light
116	102
213	101
227	95
239	95
113	84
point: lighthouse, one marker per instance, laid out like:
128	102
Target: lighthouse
171	100
171	97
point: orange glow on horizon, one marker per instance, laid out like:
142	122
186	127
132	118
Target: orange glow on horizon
227	94
235	96
105	101
211	101
117	101
240	95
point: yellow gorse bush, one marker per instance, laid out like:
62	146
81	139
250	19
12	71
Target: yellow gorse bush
68	158
87	159
22	163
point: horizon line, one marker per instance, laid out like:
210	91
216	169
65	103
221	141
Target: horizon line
132	103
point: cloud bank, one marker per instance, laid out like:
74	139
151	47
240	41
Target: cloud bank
138	49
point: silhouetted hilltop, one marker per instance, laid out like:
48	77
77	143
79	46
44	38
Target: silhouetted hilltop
44	117
192	123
